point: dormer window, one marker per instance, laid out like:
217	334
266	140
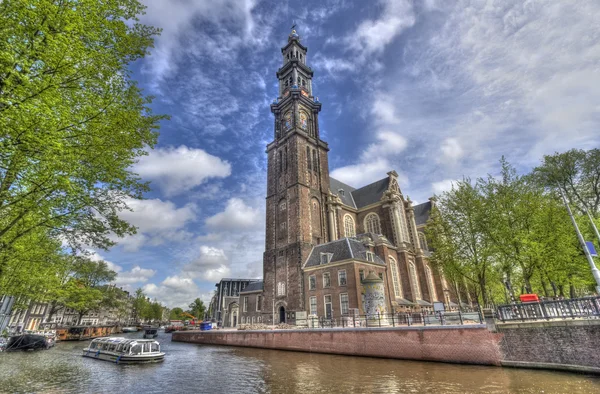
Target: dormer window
370	256
326	257
341	192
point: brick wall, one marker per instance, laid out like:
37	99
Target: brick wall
468	344
570	342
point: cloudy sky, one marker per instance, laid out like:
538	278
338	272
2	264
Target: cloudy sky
433	89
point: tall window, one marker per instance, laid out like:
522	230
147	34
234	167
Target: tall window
312	282
326	280
403	226
361	274
245	304
258	302
342	277
349	229
395	278
430	281
344	304
415	280
372	223
285	159
308	157
315	165
422	241
281	289
313	306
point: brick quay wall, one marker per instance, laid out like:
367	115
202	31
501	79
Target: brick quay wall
569	345
472	344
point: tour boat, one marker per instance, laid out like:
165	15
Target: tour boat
124	350
130	329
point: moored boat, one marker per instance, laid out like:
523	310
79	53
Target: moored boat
150	332
130	329
28	342
124	350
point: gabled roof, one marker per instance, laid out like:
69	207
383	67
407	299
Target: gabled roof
254	286
422	213
335	186
370	194
342	249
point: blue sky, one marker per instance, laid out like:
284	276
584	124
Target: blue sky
436	90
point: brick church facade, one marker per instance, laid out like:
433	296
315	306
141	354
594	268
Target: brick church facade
324	237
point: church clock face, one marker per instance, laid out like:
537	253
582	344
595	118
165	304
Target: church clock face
303	121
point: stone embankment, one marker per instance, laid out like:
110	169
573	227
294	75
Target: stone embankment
570	345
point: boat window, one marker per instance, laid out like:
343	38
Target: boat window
120	347
155	347
147	347
93	345
136	349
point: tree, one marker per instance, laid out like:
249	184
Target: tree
176	314
140	305
197	308
577	173
72	122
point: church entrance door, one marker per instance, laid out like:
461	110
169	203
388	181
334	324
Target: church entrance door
281	315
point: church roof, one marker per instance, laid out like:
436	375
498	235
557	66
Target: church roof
358	198
341	249
254	286
346	196
371	193
422	213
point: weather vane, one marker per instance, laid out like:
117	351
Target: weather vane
294	25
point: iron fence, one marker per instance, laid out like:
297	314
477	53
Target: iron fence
393	320
586	308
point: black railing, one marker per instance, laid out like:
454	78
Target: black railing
586	308
393	320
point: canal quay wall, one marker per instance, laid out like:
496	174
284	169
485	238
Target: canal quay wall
470	344
568	345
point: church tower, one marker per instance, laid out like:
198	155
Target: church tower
297	186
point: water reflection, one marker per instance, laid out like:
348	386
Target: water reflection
238	370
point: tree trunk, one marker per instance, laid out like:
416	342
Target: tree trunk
572	293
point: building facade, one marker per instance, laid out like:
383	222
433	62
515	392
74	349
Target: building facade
324	237
225	304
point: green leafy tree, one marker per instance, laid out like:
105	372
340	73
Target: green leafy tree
197	309
72	123
176	314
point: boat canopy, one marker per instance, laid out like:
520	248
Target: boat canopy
121	340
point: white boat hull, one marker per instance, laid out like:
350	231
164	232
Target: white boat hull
118	358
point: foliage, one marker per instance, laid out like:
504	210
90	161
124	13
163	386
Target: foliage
510	234
197	309
72	122
176	314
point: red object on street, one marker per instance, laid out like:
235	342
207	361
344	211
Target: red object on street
529	298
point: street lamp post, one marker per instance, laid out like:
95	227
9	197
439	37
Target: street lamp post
593	224
589	257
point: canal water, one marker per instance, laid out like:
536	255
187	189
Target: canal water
192	368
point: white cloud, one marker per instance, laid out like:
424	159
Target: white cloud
173	291
210	264
373	35
157	222
451	149
442	186
135	275
362	174
237	216
177	170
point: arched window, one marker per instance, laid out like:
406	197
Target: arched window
243	320
308	158
349	229
372	223
280	162
252	319
285	159
415	281
259	319
403	228
315	165
423	241
396	278
431	282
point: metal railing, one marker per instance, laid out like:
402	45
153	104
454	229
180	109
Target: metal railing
583	308
393	320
